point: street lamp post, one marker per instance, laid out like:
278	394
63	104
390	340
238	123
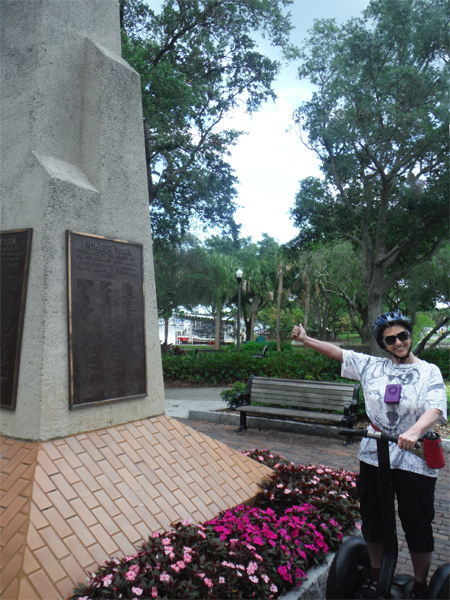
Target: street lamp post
238	325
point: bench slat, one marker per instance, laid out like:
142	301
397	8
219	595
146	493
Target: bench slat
299	396
302	392
300	383
318	403
284	412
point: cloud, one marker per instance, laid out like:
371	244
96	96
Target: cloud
269	161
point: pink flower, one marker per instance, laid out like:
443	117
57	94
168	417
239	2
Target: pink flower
155	535
107	580
283	571
154	592
265	578
137	590
132	573
164	577
208	582
273	588
253	579
221	579
186	522
252	568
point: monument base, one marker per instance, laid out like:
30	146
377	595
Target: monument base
69	504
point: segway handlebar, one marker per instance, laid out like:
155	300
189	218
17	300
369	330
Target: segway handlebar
429	449
377	435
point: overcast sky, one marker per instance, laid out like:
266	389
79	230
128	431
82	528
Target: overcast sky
270	160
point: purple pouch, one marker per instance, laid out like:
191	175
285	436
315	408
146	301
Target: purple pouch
392	393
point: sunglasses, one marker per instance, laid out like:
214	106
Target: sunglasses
401	337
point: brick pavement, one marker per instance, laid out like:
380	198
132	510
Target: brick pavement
306	449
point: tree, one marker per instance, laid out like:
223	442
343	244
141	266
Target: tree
377	122
179	271
326	279
220	285
198	61
335	269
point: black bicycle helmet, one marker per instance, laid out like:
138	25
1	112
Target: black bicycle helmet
388	320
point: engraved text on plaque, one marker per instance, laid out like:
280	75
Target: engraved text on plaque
106	320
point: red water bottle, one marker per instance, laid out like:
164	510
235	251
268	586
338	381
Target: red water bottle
434	453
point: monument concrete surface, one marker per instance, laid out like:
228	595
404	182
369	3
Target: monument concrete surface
91	466
73	159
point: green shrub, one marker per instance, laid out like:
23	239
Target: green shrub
226	368
228	395
439	357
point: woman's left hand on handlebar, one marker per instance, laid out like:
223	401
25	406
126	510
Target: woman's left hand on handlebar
407	440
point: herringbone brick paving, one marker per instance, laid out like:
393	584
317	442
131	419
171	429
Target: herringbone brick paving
66	505
308	449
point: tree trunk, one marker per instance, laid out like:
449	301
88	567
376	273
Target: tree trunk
421	346
166	329
218	327
280	292
374	310
252	327
306	299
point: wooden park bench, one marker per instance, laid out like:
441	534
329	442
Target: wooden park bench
298	398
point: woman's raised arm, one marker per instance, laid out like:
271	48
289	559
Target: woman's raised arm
330	350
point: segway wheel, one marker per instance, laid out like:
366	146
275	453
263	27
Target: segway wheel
439	583
349	570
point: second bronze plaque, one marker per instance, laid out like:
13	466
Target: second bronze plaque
107	358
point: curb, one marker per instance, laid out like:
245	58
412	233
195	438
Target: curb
276	425
315	586
265	423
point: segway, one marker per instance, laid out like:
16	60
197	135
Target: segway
351	565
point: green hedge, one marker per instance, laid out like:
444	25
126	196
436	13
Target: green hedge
438	357
226	368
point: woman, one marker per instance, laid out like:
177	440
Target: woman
422	403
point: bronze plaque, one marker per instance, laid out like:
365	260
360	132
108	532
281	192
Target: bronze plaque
107	359
15	250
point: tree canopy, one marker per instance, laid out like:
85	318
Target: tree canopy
198	61
377	121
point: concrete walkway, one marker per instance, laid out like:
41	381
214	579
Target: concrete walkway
179	401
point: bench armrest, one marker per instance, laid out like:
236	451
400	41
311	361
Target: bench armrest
243	399
351	408
240	400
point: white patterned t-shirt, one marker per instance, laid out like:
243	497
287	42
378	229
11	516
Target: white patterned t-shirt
422	388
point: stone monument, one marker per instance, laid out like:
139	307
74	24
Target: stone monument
91	466
73	172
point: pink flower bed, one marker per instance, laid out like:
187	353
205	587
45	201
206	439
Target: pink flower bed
258	552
